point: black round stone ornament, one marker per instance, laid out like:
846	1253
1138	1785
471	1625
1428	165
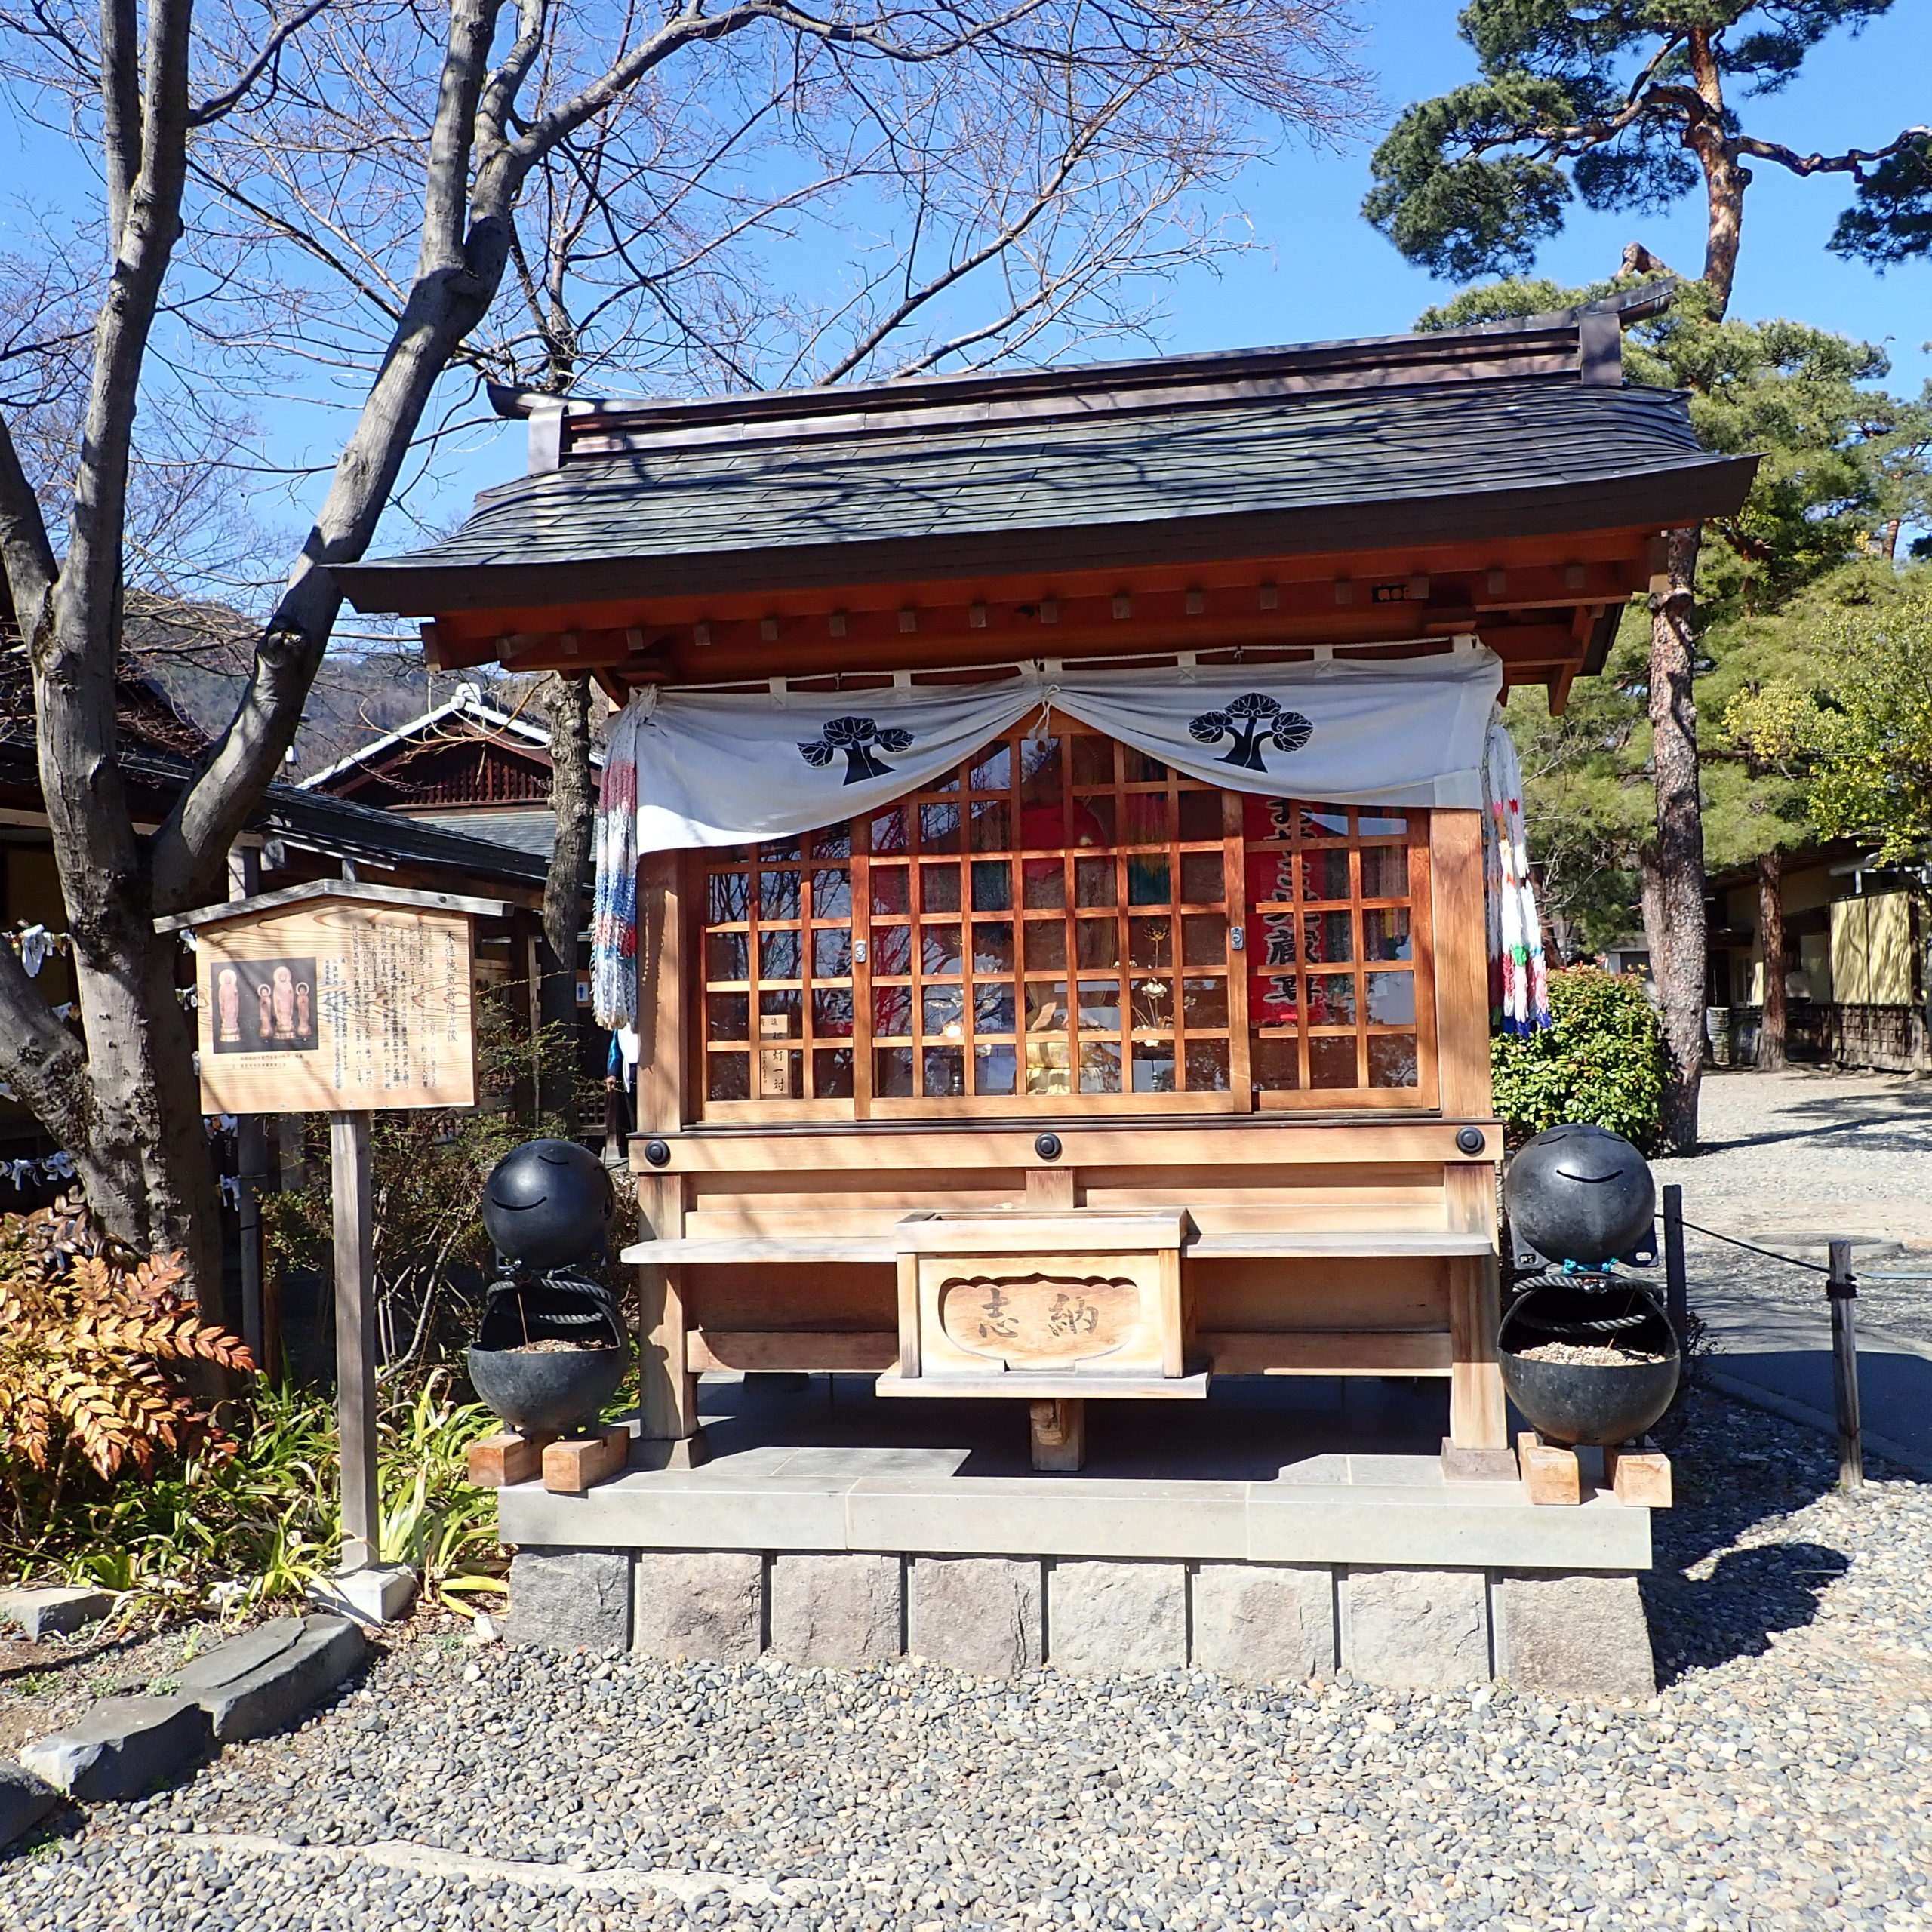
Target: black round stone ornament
548	1202
1580	1193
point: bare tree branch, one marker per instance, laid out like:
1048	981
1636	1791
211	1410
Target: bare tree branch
219	106
1849	162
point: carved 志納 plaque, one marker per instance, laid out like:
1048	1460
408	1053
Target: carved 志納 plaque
1040	1321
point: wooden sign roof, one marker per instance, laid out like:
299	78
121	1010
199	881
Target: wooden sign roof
264	903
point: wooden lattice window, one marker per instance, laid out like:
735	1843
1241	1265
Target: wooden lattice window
1064	925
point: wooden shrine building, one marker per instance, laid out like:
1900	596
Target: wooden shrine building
1064	972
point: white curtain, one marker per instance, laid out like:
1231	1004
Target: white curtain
729	768
708	768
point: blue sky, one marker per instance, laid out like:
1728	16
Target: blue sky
1319	271
1328	274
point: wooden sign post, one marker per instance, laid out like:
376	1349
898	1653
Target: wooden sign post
342	999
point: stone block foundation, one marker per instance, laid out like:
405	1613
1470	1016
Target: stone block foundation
1567	1634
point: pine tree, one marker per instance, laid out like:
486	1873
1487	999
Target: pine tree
1631	104
1844	465
1628	105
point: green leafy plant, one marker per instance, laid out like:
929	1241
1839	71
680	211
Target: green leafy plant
260	1522
433	1517
1601	1062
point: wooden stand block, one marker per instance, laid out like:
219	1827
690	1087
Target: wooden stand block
570	1467
1639	1476
498	1461
1060	1434
1550	1474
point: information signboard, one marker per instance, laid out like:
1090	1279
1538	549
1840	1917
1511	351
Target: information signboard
336	1005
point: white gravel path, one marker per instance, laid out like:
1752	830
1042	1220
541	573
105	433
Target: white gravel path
1789	1159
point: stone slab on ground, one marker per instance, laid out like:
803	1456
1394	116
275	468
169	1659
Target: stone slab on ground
707	1605
835	1609
561	1598
1260	1622
1573	1636
122	1749
53	1610
1416	1629
985	1614
237	1656
1112	1616
1778	1357
24	1801
250	1690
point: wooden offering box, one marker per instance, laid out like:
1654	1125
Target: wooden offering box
1042	1306
1062	964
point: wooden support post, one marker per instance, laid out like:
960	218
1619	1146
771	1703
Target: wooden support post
1054	1189
909	1364
667	1387
1843	1292
356	1339
1676	1279
1477	1413
1060	1434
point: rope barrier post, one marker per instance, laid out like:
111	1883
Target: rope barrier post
1843	1291
1677	1289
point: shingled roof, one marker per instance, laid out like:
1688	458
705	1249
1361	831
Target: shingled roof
1522	428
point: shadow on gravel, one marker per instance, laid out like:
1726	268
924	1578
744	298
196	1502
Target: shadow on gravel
1736	1469
1907	1116
1698	1622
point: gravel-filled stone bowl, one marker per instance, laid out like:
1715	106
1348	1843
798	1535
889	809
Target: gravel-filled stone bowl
1588	1366
541	1391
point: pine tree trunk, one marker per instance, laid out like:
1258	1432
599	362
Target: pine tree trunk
1674	866
1770	943
567	702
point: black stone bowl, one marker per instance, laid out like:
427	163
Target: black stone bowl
1596	1404
559	1393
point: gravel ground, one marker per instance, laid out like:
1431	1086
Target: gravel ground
1797	1154
1781	1779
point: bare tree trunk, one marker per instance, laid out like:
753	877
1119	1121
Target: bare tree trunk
567	702
1674	868
1770	943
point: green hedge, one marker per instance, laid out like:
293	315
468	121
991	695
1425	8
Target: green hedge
1601	1062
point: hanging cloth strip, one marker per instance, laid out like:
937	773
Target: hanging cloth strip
614	929
696	768
1518	974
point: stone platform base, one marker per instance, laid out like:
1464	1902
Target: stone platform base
1237	1538
1578	1634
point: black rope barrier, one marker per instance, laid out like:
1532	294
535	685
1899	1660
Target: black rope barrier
1841	1293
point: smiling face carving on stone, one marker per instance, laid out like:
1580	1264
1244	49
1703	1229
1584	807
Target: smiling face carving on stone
1580	1193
